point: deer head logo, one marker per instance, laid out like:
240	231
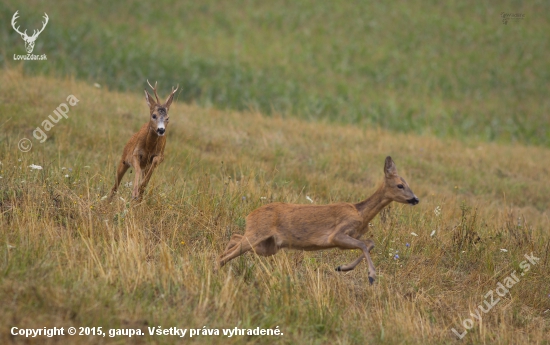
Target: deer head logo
29	40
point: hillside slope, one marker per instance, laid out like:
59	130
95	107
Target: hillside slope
70	259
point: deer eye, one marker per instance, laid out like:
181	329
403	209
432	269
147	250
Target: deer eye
400	186
154	116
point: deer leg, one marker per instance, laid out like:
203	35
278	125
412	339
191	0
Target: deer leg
148	173
237	249
137	168
351	265
347	242
121	170
235	239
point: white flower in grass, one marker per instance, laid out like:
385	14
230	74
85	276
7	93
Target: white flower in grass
432	234
309	199
66	176
504	250
414	234
104	197
35	167
437	211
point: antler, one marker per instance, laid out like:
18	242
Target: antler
35	34
13	22
154	90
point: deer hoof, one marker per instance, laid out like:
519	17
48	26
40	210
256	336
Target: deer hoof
339	269
371	280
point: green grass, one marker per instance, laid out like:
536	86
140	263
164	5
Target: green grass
453	69
69	259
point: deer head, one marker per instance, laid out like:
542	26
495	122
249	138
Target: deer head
395	187
29	40
158	112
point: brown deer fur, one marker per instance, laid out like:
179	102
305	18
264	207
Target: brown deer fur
316	227
145	149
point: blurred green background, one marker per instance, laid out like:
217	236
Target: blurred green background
449	69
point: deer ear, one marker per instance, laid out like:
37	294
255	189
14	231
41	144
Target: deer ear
389	168
149	99
170	99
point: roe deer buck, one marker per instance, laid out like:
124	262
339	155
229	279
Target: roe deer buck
316	227
145	149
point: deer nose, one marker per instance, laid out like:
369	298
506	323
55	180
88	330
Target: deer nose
160	131
413	201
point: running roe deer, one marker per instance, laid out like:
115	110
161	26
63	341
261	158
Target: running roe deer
145	149
316	227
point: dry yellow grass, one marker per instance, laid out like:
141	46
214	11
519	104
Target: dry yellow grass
69	259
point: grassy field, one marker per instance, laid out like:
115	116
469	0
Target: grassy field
453	69
69	259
